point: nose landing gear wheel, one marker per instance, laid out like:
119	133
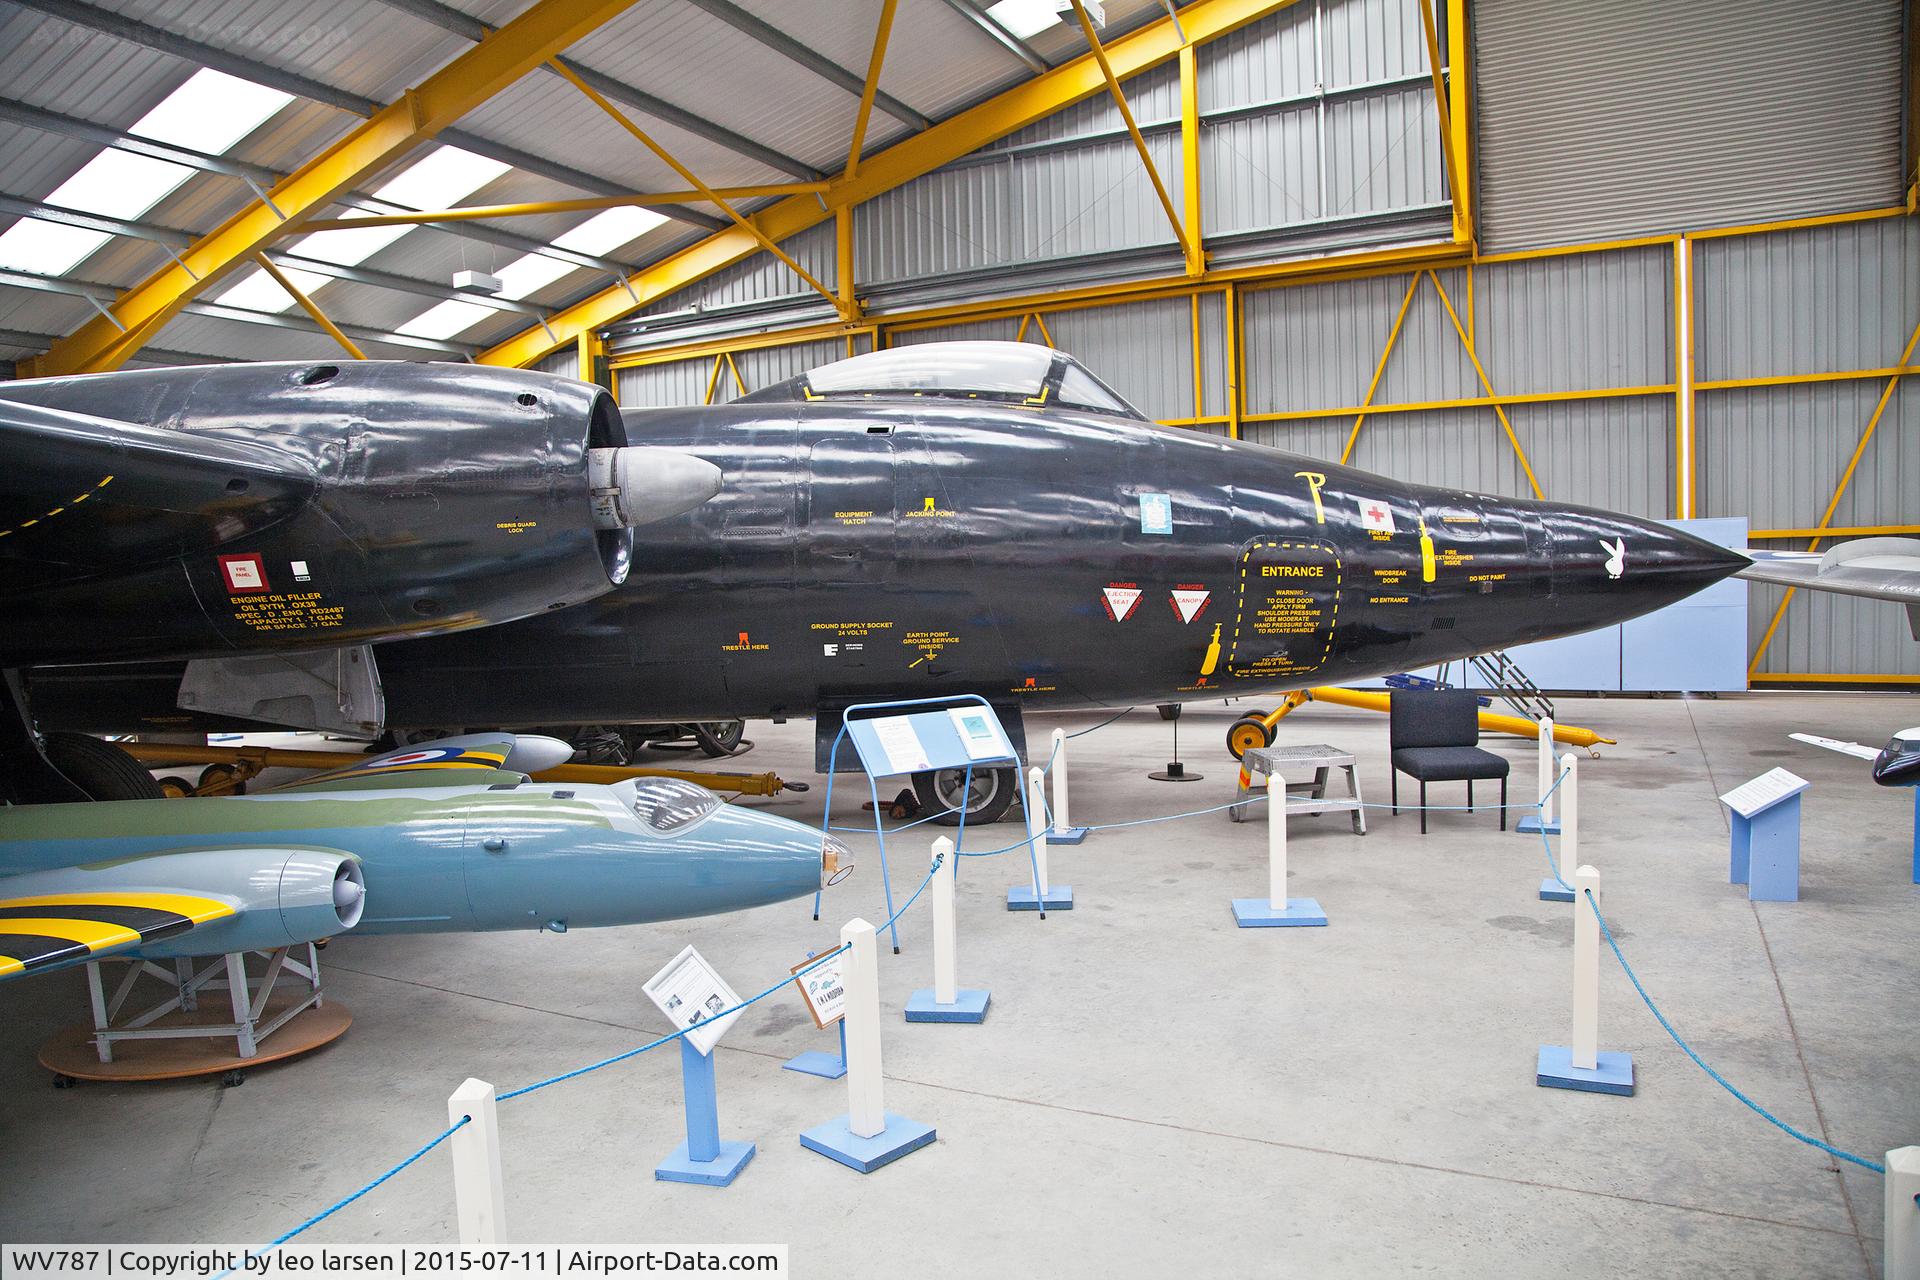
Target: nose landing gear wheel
987	799
1248	732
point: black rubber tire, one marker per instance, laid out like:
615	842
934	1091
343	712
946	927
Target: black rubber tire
993	790
719	738
100	769
1235	731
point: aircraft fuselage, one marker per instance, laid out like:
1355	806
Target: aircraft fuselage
919	547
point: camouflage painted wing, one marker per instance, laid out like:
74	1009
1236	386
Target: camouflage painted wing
471	760
39	932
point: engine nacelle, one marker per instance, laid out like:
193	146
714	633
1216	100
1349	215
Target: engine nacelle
393	500
281	897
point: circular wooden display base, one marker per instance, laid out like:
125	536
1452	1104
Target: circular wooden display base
71	1053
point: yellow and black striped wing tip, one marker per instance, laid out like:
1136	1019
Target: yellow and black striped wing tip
50	930
456	765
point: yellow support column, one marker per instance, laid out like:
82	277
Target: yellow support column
1193	243
309	306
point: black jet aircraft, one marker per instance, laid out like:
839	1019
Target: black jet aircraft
271	522
990	518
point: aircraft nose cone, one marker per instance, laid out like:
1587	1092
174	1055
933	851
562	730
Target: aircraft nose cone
1592	547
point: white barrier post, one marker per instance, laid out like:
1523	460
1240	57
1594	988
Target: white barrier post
1551	890
1902	1261
867	1136
1063	831
1041	894
479	1194
1277	908
1549	799
945	1001
1580	1064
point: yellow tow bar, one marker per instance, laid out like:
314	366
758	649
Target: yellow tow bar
230	768
1252	731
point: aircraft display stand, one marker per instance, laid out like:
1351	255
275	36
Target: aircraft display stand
1764	845
963	733
280	1014
818	1062
703	1159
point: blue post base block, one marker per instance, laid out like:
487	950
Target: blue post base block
1530	825
1552	890
835	1141
817	1062
1066	835
1258	913
1612	1074
969	1005
1059	898
719	1172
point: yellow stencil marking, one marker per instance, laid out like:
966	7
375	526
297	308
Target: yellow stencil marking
47	515
1333	618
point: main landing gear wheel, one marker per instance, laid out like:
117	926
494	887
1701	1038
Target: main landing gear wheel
1248	732
100	769
990	796
719	738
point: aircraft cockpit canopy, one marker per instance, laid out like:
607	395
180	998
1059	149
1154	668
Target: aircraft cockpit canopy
668	804
1009	372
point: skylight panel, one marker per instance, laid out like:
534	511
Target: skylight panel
46	248
530	274
1023	18
441	179
119	184
445	319
605	232
114	184
349	246
210	112
258	291
445	176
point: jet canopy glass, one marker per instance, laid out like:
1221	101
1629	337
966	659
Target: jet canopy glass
668	804
1008	372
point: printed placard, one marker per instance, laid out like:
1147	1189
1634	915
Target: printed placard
822	989
692	994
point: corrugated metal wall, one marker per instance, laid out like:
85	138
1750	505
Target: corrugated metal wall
1318	132
680	382
1323	112
1635	117
1811	301
1584	323
565	362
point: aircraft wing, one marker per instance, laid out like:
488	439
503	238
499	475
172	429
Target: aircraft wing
81	493
474	759
1834	744
188	901
42	931
1877	568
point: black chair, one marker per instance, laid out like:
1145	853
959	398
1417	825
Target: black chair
1433	735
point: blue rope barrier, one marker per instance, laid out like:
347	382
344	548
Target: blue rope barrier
338	1205
1715	1076
521	1092
1081	733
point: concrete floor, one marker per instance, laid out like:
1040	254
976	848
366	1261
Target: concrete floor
1155	1091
